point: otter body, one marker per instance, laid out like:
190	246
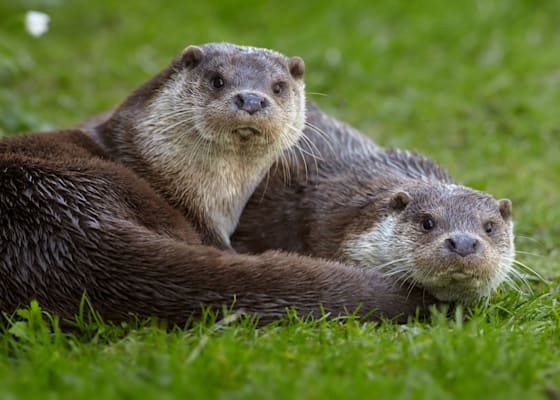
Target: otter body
389	210
136	212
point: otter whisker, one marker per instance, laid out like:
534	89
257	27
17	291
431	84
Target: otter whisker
266	180
411	287
403	279
290	154
289	151
324	136
406	274
380	267
313	156
157	120
316	153
396	271
286	175
303	154
197	145
502	274
511	283
528	253
312	149
407	278
274	169
173	111
304	161
528	238
285	164
169	127
317	93
317	130
527	268
177	140
520	276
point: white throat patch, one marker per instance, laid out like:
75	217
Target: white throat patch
370	248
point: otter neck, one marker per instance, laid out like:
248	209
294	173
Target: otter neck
211	186
216	198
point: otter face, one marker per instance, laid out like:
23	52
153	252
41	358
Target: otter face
225	98
455	242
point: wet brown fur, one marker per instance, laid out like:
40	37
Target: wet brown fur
336	206
74	219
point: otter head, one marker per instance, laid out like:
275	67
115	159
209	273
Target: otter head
455	242
226	99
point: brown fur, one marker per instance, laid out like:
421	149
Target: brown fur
96	216
183	135
363	205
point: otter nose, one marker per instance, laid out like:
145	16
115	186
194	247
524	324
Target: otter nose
250	102
462	245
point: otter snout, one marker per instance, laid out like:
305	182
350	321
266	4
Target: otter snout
250	102
462	245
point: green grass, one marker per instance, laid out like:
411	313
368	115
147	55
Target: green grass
473	84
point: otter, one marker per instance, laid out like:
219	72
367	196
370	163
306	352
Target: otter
135	212
391	210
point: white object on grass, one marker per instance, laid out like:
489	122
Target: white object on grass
36	23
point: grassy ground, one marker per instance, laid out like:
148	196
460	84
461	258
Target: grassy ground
473	84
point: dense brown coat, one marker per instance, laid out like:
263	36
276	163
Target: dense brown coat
360	204
82	212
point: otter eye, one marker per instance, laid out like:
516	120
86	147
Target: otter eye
427	224
218	82
488	227
278	88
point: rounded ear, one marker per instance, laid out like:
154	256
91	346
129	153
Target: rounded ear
192	56
505	208
296	67
399	201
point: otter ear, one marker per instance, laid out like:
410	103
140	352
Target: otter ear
399	201
192	56
505	208
296	67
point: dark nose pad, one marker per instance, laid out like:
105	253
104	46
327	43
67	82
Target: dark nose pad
250	102
462	245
